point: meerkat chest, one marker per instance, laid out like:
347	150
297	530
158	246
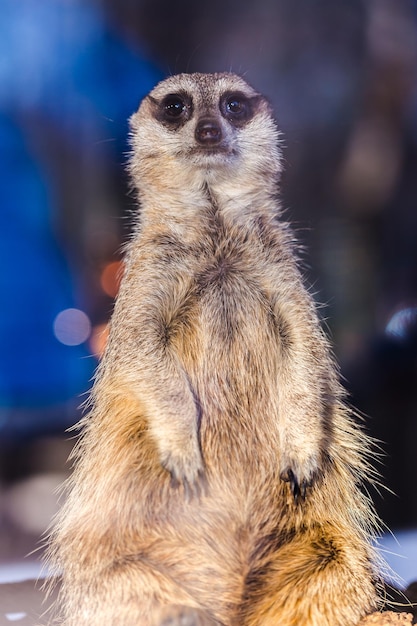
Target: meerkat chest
226	305
230	294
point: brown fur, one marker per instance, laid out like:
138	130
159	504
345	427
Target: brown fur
218	473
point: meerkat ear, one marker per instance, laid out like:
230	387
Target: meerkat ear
146	103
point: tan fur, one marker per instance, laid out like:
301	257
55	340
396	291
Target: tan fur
217	405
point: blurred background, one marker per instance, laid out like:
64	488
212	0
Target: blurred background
341	75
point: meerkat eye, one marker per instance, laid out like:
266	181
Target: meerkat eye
236	108
175	108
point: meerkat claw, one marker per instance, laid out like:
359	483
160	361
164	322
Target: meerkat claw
194	486
298	488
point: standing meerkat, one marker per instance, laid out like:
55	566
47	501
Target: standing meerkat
217	478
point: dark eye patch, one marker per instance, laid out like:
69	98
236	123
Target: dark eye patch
173	110
237	107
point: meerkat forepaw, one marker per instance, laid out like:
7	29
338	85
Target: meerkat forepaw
191	490
300	480
298	488
188	472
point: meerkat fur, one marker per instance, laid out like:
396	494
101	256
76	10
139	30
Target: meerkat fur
218	473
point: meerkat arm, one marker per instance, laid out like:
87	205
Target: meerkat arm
172	416
153	373
307	386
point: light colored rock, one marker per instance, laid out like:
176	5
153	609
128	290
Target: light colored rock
387	619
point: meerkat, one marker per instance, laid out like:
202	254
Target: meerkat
218	474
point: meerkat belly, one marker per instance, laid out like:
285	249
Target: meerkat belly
230	349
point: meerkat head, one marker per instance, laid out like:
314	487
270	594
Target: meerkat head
204	128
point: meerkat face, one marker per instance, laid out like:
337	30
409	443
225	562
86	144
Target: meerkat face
206	123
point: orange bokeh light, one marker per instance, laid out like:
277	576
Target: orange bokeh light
110	278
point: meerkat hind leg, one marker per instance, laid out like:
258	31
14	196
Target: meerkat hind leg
317	579
133	593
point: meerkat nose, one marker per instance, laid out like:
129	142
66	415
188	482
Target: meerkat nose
208	132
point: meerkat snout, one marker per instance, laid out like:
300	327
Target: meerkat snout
208	132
